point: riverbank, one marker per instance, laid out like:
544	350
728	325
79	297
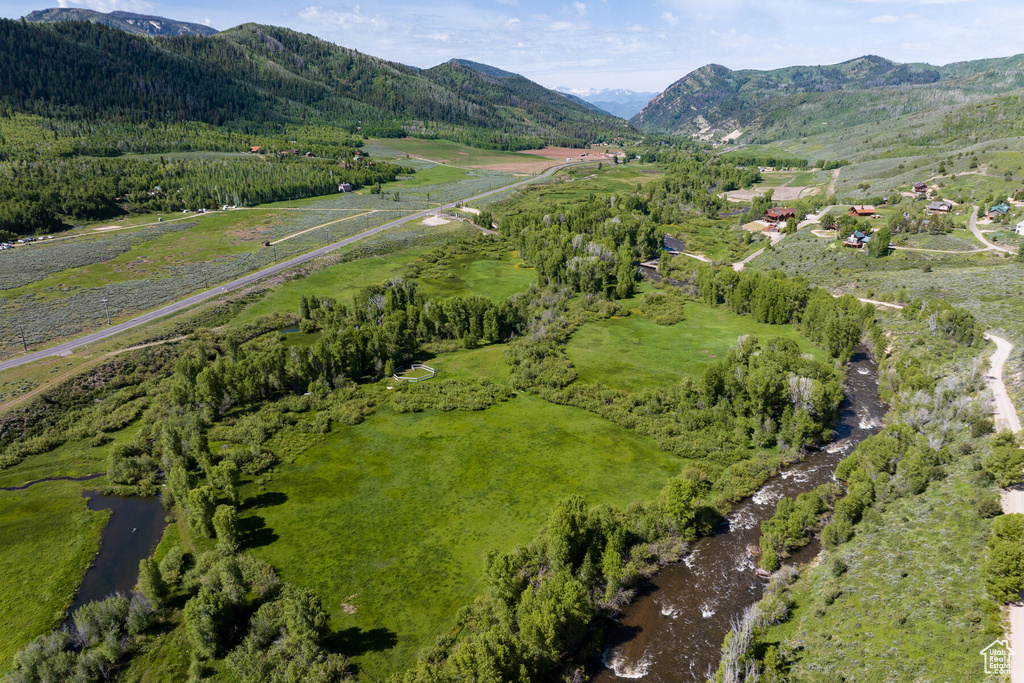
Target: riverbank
674	630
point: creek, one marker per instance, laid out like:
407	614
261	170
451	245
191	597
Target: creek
135	527
673	630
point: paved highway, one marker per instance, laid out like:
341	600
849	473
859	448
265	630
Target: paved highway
68	347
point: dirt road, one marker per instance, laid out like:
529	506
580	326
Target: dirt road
981	237
775	237
1013	497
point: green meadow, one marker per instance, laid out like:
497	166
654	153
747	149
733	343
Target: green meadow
47	541
634	353
443	151
394	515
494	277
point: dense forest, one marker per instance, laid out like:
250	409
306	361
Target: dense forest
253	78
43	196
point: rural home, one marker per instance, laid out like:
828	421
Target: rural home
940	207
920	188
1020	228
857	240
255	149
779	214
345	187
863	211
997	211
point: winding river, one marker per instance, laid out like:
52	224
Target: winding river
673	631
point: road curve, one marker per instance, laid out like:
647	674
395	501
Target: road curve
1013	497
981	237
777	236
68	347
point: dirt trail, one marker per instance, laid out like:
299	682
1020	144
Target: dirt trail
71	373
1013	497
775	237
981	238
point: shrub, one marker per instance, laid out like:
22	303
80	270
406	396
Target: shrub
1003	566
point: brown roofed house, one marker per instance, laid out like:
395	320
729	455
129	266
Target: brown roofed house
781	213
865	211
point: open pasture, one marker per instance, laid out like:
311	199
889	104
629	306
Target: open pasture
633	353
393	516
455	154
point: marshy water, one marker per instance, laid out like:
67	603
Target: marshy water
673	631
135	527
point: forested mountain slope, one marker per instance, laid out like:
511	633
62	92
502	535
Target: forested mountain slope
801	100
141	24
252	77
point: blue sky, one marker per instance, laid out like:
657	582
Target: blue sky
638	45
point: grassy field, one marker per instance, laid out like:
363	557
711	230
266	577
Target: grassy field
633	353
394	515
47	540
477	275
495	278
909	601
581	181
483	363
443	151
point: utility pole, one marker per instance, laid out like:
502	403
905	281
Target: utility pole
23	337
107	311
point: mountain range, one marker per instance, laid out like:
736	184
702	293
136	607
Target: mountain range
254	76
64	62
139	24
617	101
714	102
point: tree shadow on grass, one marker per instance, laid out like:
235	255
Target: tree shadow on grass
255	532
355	641
264	500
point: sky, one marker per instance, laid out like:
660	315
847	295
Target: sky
633	44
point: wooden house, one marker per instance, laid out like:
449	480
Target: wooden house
865	211
779	214
857	240
940	207
997	211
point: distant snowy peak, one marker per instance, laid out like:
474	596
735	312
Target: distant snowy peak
605	93
618	101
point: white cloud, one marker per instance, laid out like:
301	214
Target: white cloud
732	39
581	8
108	5
893	19
669	18
344	19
